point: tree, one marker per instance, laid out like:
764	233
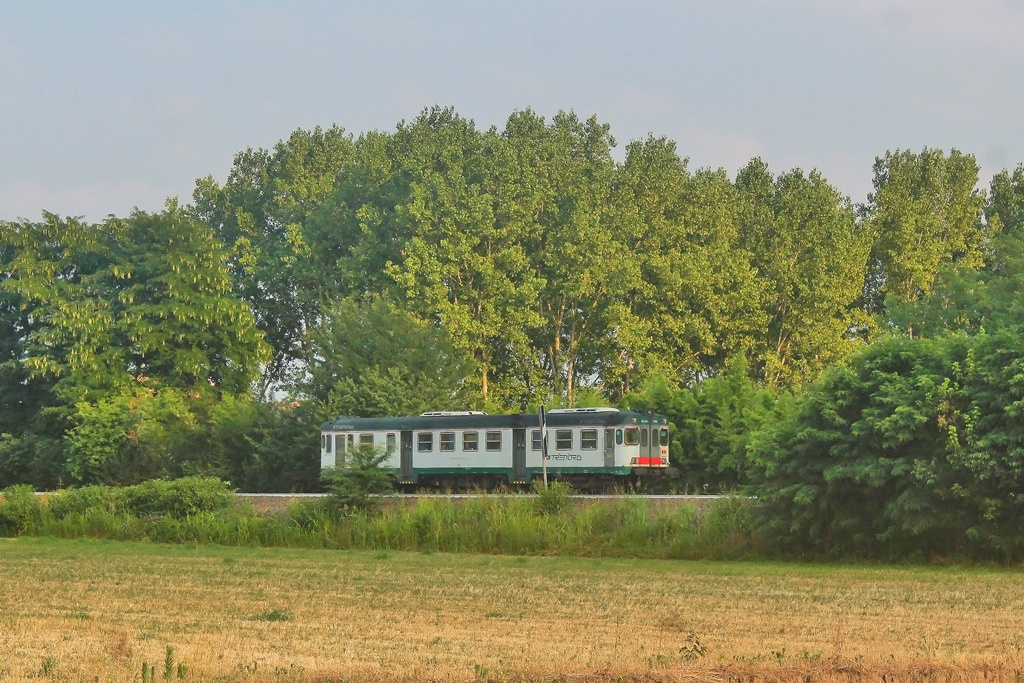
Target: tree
462	265
712	422
146	296
279	265
371	359
811	258
925	212
692	298
562	172
124	315
1004	211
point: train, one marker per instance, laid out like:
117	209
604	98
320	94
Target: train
589	448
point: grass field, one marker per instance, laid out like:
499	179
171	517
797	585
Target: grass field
82	610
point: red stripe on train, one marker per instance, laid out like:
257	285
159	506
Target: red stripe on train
649	461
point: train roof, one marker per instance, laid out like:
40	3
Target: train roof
573	417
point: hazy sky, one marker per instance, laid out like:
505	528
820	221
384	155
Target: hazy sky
109	105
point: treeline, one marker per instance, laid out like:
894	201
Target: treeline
443	266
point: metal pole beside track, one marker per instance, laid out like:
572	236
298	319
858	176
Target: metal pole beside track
544	443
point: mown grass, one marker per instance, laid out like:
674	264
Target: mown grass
77	610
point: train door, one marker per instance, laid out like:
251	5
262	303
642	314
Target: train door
519	455
407	457
648	444
609	448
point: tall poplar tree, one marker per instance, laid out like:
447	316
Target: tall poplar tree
261	214
925	212
811	256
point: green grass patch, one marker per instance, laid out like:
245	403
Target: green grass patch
203	512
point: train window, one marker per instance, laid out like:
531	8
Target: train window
536	440
328	444
471	441
494	441
351	438
391	443
425	442
563	439
664	436
609	439
588	439
366	440
618	437
643	437
446	442
339	443
632	436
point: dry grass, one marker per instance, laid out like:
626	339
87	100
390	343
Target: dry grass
78	610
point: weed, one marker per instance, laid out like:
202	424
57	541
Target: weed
168	662
692	647
273	615
48	666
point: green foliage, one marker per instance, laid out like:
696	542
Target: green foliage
810	258
913	448
20	510
553	499
925	213
282	447
1004	210
711	425
131	437
130	299
373	359
280	265
691	298
177	499
356	485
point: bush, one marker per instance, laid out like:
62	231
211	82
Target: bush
711	425
555	499
914	449
178	499
354	486
79	501
20	510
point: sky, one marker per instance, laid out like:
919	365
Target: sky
107	106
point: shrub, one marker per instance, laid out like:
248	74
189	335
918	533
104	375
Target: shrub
178	499
912	449
20	510
79	501
555	499
354	486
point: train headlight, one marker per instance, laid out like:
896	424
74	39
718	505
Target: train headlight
634	461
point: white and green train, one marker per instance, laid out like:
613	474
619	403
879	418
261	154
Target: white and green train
586	446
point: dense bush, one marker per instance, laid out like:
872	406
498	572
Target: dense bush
177	499
20	510
915	448
711	425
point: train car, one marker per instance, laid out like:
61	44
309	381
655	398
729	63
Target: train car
589	447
